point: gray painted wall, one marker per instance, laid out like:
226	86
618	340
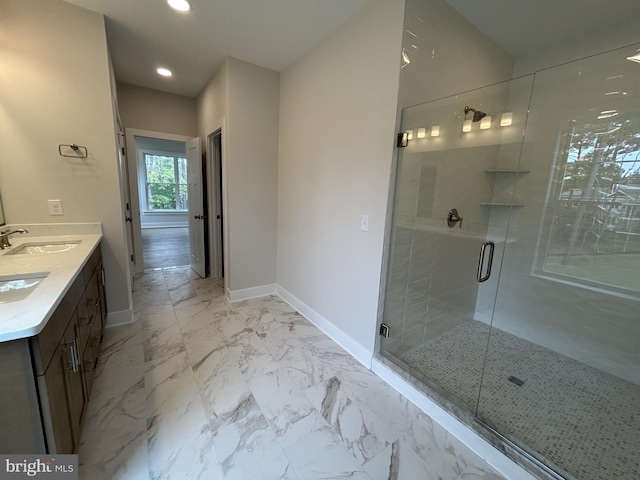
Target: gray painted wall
242	99
47	100
337	116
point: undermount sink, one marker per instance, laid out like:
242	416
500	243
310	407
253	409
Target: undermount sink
39	248
14	288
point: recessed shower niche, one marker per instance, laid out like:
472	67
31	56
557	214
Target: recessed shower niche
544	353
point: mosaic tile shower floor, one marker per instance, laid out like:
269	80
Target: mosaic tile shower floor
203	389
582	419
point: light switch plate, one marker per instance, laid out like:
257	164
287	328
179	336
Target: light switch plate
364	223
55	207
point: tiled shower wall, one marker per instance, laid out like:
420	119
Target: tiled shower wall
425	297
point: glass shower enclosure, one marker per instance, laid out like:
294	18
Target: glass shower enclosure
513	282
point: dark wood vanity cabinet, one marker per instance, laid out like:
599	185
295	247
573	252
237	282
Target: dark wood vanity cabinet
66	356
57	403
65	392
93	325
64	398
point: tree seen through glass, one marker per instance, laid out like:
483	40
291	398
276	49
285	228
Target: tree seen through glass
166	182
595	234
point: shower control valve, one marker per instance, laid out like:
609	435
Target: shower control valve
454	218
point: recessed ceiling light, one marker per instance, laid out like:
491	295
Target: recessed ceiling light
165	72
180	5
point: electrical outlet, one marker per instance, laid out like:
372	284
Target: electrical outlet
55	207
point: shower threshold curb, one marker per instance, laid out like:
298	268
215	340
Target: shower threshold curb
506	458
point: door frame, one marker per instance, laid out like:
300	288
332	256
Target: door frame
125	193
216	202
131	133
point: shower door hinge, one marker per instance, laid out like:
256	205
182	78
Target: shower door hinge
403	140
384	330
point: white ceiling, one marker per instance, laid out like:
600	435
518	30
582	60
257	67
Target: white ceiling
526	26
144	34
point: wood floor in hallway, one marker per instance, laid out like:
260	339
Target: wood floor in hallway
165	247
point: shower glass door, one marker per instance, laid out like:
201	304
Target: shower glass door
454	195
562	375
544	175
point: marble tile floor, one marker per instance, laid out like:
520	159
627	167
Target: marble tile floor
197	388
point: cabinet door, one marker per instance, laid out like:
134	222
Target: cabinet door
95	295
86	316
90	326
92	353
46	343
100	281
56	386
73	375
90	360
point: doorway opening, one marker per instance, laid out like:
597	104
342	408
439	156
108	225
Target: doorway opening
173	189
161	167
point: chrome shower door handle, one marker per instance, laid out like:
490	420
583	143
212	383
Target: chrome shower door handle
483	249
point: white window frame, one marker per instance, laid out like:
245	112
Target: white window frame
142	180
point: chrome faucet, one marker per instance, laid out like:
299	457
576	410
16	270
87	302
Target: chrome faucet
4	237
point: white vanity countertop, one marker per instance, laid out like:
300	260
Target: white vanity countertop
28	317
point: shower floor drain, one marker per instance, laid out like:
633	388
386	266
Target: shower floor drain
516	380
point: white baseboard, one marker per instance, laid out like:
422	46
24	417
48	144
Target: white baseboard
253	292
119	318
471	439
356	350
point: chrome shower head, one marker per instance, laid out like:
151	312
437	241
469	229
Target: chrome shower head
477	114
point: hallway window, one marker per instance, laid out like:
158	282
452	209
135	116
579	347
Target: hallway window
165	182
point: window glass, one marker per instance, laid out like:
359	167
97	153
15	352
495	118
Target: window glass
595	227
166	182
